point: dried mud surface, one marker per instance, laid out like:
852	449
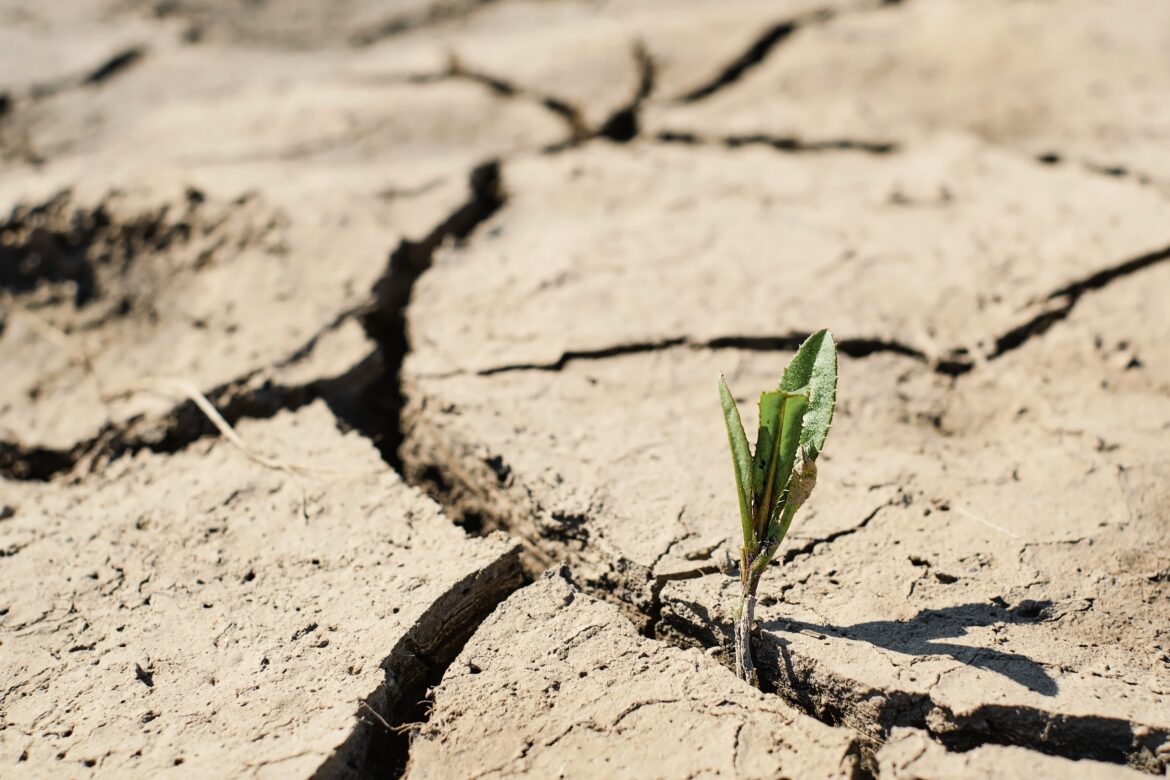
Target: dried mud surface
568	677
154	621
358	413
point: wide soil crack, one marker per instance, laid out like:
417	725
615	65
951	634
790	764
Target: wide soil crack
379	745
385	322
366	397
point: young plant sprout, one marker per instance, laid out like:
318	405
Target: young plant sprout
776	480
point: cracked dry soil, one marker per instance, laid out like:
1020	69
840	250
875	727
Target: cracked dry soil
455	281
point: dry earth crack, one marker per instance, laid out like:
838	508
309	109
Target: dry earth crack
797	677
755	54
809	547
561	108
380	743
1056	306
386	320
251	396
764	44
834	699
1059	304
483	486
782	143
404	23
623	125
115	65
854	347
362	397
1115	171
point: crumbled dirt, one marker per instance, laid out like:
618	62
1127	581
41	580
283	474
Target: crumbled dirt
497	253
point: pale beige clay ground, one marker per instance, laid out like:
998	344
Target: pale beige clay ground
551	226
204	612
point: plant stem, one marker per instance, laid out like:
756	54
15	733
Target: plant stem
745	616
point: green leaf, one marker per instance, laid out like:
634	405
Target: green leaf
795	405
779	423
741	460
814	367
764	463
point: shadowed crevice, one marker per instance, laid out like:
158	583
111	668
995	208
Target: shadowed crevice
20	462
836	700
623	125
385	322
366	397
179	428
379	745
790	342
1106	276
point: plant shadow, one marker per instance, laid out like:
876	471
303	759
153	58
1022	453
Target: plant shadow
918	636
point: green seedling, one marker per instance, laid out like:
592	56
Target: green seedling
773	482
